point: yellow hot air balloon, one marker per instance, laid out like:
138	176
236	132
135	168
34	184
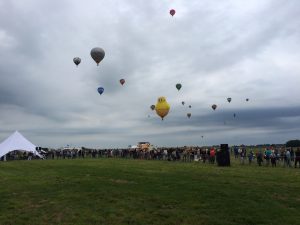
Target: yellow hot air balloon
162	107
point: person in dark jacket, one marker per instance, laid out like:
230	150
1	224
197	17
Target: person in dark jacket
250	157
273	159
259	157
297	158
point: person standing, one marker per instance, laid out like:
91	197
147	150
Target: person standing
236	152
243	155
292	155
268	153
259	157
273	159
288	158
207	152
30	155
250	157
297	158
212	155
203	155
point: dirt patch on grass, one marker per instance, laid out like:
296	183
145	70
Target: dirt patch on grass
58	217
119	181
280	197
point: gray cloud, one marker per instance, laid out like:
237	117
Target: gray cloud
215	49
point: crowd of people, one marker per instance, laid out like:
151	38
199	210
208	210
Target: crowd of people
267	157
270	156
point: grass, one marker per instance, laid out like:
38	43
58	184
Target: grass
119	191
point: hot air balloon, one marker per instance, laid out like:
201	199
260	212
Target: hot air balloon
190	106
122	81
100	90
172	12
214	106
97	54
77	60
182	102
152	107
188	115
178	86
162	107
234	115
247	99
229	100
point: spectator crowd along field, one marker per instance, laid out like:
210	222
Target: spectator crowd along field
263	156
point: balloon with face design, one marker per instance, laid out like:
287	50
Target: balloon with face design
162	107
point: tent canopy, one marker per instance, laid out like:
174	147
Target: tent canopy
17	141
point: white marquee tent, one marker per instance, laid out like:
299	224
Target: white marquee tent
17	141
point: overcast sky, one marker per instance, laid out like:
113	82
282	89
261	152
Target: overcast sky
215	49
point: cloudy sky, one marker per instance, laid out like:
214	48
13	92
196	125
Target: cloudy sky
215	49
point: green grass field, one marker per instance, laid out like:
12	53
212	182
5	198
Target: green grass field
120	191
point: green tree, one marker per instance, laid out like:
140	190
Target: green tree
293	143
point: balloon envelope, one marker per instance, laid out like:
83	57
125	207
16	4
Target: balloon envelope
97	54
188	115
172	12
77	60
162	107
152	107
190	106
100	90
247	99
229	99
214	106
182	103
178	86
122	81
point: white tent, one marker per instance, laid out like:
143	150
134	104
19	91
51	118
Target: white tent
133	146
17	141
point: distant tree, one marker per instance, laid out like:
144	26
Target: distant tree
293	143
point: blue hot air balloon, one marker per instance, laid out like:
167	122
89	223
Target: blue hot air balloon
100	90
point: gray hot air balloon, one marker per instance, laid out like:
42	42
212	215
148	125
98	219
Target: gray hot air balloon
77	60
97	54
